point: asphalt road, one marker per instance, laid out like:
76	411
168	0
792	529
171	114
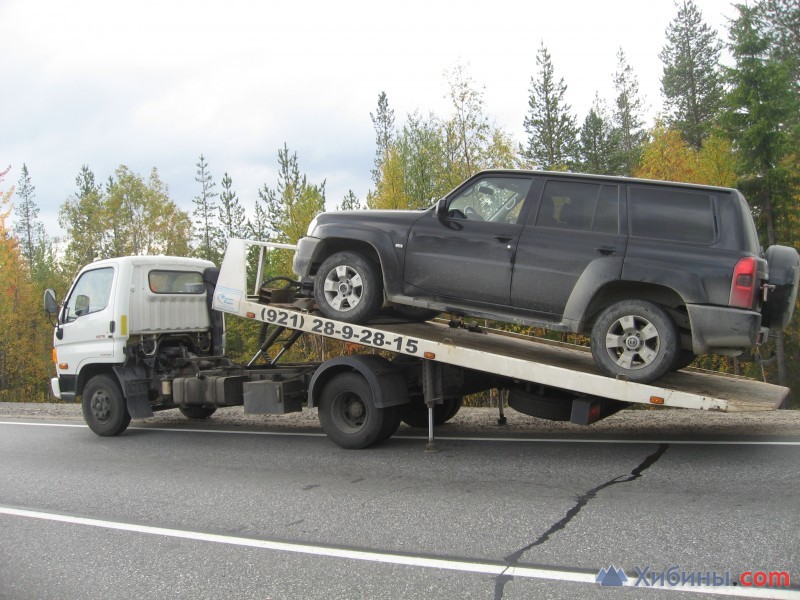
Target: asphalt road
225	512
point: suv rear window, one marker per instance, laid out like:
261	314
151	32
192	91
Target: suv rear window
672	214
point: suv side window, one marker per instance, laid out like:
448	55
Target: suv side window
580	206
90	294
672	214
493	199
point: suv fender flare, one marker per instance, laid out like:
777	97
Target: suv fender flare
601	284
389	387
597	274
335	239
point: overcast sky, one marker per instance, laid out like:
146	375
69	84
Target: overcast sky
153	83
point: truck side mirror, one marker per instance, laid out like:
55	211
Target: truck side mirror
51	306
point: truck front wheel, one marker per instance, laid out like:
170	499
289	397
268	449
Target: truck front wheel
348	414
104	408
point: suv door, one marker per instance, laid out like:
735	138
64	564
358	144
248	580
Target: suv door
466	250
575	231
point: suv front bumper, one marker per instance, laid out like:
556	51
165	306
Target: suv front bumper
303	256
719	328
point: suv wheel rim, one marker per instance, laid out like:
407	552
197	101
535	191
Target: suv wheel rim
343	288
633	342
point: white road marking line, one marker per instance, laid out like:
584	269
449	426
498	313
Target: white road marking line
444	438
410	560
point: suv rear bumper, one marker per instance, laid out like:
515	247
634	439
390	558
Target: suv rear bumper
716	328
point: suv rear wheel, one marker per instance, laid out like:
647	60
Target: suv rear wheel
348	287
636	340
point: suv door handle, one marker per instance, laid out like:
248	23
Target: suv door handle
504	238
606	250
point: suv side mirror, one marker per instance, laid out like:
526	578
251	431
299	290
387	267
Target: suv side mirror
441	209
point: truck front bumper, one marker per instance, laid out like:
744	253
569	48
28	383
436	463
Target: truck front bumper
54	385
720	329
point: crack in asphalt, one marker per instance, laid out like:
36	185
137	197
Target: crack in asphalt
584	499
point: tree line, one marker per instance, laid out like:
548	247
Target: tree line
734	125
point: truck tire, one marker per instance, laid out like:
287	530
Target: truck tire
416	414
104	408
553	408
348	414
197	412
636	340
348	287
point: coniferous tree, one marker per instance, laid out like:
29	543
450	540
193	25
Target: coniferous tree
596	141
231	213
205	214
760	110
290	206
27	215
350	202
691	82
383	121
551	127
628	122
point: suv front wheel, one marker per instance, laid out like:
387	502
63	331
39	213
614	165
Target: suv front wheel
636	340
348	287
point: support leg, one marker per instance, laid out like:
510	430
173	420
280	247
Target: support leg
501	399
432	391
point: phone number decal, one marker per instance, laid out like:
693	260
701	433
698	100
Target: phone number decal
342	331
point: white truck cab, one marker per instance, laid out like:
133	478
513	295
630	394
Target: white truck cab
118	302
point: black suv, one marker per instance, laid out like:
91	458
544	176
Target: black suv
655	272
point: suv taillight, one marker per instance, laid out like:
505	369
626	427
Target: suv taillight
744	283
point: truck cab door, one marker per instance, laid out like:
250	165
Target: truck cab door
86	323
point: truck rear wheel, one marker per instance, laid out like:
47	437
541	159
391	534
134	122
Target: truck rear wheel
197	412
416	415
349	416
104	408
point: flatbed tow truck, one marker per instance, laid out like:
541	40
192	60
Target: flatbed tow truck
361	398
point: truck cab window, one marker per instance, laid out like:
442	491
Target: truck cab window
175	282
90	294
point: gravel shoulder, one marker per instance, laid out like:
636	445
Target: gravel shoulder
634	423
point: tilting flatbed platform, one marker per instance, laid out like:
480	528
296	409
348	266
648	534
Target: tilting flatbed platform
507	355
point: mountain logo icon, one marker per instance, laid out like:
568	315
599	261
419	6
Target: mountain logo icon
612	576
